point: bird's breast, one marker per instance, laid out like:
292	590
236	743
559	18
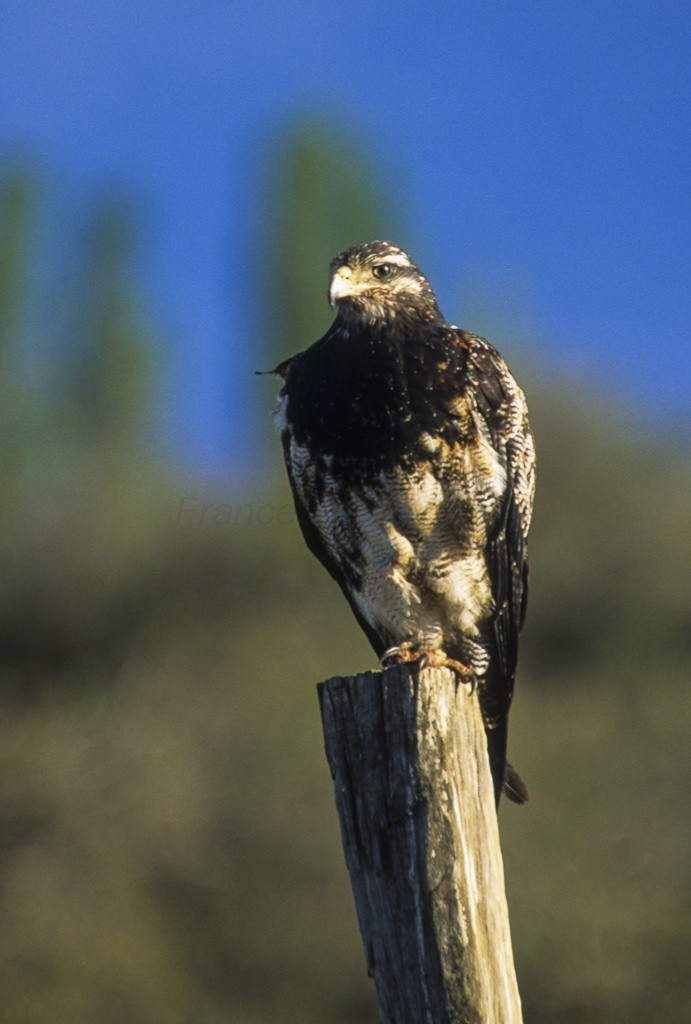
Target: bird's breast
369	396
410	537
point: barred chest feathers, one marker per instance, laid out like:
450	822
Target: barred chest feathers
410	539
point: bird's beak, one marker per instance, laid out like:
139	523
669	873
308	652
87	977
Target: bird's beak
340	285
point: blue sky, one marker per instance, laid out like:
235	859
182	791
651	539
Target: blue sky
541	152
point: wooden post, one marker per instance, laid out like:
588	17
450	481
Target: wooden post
408	755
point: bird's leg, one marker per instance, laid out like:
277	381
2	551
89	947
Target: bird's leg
464	675
408	652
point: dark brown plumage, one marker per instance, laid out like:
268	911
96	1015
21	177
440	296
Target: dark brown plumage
411	462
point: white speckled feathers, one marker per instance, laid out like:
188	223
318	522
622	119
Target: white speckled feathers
423	534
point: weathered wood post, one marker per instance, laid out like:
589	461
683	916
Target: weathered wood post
414	796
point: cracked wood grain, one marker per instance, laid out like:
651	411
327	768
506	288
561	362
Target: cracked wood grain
408	756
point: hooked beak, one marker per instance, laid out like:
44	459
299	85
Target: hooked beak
340	285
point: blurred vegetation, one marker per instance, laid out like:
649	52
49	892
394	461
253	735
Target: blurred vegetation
324	195
169	851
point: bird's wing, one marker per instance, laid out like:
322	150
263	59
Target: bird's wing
306	486
501	405
315	542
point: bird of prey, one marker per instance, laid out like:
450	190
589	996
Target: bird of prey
411	462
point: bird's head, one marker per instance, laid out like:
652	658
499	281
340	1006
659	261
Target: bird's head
377	281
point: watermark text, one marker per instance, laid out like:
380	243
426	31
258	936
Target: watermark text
192	511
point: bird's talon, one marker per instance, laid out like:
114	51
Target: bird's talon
464	675
403	654
470	685
388	658
407	653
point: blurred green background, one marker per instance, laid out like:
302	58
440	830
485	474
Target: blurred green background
169	847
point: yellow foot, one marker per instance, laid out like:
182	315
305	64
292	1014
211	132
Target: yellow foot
408	652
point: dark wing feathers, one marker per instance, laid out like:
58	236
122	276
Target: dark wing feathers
501	404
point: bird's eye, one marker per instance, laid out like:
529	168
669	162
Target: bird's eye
382	270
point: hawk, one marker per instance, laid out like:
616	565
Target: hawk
411	461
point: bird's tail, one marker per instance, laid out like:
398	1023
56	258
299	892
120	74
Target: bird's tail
513	785
504	776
